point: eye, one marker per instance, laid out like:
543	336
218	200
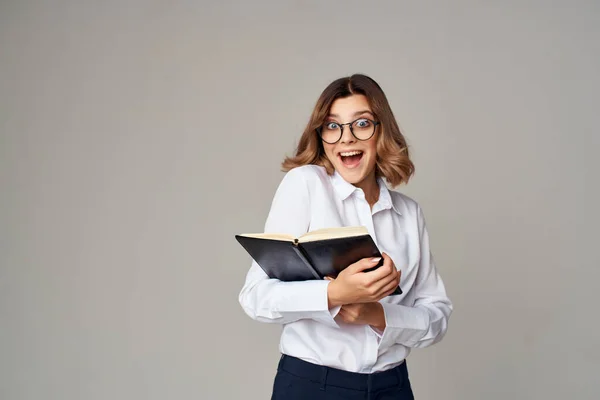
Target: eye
331	125
362	123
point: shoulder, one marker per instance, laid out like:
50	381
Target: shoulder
309	171
406	205
307	174
300	181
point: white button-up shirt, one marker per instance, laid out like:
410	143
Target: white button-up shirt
308	199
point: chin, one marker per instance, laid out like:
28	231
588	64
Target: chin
354	171
352	176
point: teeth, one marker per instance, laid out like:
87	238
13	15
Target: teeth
350	153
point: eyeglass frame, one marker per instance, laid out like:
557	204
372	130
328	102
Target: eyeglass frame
375	123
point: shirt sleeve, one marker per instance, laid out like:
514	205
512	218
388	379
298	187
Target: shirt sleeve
425	323
274	301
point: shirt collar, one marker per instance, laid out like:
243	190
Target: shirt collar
344	189
385	197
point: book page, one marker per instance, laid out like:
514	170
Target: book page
272	236
332	233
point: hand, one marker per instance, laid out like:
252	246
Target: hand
364	314
352	285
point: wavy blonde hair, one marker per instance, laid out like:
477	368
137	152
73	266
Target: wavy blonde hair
393	161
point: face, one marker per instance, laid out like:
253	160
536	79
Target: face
353	159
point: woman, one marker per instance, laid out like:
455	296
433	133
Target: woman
346	338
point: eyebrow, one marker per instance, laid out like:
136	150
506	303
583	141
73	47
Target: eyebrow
356	114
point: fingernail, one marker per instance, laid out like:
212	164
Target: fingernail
375	259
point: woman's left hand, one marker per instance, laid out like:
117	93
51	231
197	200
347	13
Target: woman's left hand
364	314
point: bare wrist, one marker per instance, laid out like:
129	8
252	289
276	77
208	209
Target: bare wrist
378	317
332	298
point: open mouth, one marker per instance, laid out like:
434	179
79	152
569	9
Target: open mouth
350	159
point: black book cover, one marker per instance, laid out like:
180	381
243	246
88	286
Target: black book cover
296	260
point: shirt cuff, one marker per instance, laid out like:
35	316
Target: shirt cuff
334	311
377	332
403	325
321	303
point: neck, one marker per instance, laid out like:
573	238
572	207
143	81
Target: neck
370	188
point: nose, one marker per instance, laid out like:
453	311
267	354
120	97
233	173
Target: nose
347	136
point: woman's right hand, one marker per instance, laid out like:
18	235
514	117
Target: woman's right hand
352	285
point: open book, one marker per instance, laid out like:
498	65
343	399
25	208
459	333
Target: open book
314	255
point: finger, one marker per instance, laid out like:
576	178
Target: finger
388	289
397	275
349	308
380	286
347	316
388	263
342	314
363	264
385	280
377	274
383	271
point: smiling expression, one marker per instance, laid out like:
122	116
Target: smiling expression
353	159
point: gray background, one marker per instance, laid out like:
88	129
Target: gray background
138	137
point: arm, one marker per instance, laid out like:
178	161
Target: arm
426	322
273	301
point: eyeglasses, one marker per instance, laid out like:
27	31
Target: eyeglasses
362	129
